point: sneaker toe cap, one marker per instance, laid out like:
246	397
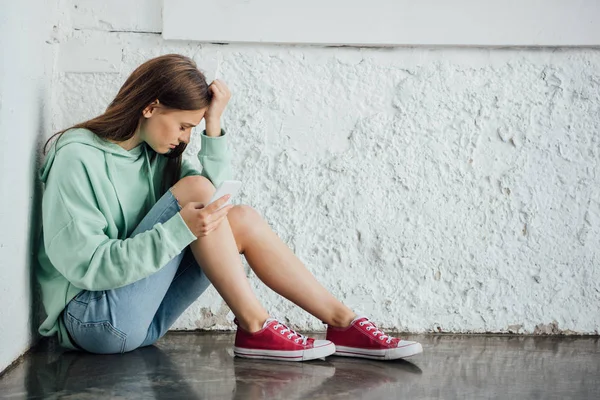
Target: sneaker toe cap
322	343
406	343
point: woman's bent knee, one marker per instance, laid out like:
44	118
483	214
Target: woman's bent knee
243	213
244	221
193	188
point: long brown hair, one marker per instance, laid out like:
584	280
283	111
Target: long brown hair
174	80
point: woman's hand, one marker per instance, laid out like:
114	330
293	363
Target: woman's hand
203	220
212	117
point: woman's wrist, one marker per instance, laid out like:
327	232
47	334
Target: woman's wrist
213	127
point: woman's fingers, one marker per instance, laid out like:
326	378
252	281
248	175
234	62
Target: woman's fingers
220	86
215	89
221	96
214	215
215	205
215	223
222	212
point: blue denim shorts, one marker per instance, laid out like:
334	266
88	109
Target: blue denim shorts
137	315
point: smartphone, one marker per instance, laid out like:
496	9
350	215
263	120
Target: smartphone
227	187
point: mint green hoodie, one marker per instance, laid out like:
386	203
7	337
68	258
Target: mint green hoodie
96	193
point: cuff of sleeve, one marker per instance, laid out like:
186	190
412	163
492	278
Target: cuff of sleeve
213	145
179	233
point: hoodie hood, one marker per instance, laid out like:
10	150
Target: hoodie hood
88	138
112	153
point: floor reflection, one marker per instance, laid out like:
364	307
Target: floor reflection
202	366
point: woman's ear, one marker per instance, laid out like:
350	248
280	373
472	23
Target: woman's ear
149	110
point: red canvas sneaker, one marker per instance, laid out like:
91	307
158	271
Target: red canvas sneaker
275	341
363	339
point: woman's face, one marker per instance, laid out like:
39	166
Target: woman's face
163	128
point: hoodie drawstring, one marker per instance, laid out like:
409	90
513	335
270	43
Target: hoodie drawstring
150	175
109	167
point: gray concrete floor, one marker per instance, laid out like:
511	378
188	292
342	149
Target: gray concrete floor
202	366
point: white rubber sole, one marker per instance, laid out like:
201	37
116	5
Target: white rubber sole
320	351
395	353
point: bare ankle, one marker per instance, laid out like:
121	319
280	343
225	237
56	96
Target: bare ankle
252	325
342	320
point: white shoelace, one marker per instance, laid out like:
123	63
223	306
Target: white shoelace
291	334
371	326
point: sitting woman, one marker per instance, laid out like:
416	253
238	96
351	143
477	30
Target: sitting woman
129	242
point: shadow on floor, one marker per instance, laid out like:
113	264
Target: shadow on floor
202	366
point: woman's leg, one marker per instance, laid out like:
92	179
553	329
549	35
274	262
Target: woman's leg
279	268
218	256
118	320
187	285
274	263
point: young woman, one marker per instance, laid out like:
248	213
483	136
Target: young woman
128	243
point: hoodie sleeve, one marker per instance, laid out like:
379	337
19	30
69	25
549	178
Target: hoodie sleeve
75	239
215	158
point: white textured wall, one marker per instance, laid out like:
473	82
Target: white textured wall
432	189
25	79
